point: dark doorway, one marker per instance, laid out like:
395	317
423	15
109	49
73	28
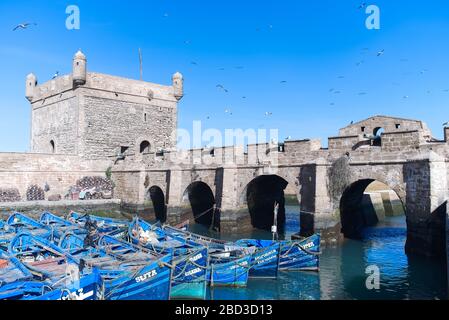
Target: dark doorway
202	202
262	194
157	197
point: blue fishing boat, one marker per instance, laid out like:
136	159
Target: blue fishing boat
190	260
229	264
300	255
58	272
264	257
60	224
102	224
128	273
17	223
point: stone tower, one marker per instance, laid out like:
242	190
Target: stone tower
31	83
99	116
178	85
79	69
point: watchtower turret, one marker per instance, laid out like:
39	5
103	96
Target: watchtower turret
178	85
79	69
31	83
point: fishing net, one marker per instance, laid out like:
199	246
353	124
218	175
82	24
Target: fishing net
9	195
35	193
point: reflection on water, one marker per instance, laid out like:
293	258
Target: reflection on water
342	269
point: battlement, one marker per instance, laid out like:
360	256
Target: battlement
99	116
106	83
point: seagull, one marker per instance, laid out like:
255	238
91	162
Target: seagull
359	63
332	103
283	81
208	117
405	97
352	122
288	138
446	124
337	92
194	63
55	75
23	25
268	113
220	86
244	97
381	52
331	90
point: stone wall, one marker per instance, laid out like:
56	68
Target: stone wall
55	120
111	123
21	170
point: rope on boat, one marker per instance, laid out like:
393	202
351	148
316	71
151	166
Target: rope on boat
295	244
113	290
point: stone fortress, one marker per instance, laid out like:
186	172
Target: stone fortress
85	124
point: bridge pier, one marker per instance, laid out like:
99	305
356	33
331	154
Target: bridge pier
426	206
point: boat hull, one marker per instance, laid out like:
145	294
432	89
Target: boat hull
300	255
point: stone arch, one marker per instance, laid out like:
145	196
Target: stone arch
353	216
144	147
138	144
52	146
262	193
157	197
202	203
377	133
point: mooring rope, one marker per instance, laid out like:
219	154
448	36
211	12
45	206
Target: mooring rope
295	244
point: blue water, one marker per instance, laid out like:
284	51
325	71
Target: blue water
342	269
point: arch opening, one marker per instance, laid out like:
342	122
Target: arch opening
52	146
144	147
202	203
262	194
364	204
156	195
377	133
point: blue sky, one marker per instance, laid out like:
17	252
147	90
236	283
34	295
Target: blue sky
310	44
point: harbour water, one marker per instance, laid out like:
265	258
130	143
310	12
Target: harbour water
342	273
343	269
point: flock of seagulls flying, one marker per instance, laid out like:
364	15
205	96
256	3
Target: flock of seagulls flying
222	88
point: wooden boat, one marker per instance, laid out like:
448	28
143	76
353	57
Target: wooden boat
57	271
229	264
128	273
300	255
17	223
102	224
264	257
190	260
